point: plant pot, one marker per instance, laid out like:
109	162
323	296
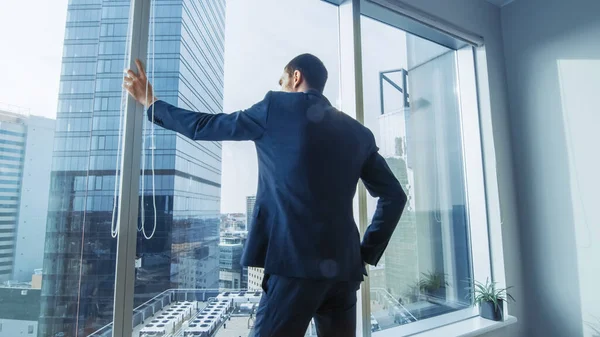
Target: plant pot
489	311
437	294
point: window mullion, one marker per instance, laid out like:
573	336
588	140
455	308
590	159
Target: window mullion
351	87
473	165
129	180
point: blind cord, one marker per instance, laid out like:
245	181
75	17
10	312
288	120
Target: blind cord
152	144
118	187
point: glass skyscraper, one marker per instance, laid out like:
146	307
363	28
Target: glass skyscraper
80	252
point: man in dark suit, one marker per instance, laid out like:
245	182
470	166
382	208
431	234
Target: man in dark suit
310	158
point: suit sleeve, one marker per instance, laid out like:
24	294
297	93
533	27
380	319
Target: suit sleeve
381	183
247	124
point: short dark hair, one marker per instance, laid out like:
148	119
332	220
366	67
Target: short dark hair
313	70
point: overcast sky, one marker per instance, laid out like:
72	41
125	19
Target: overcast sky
31	42
261	37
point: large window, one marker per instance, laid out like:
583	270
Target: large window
65	244
190	252
59	159
412	106
79	260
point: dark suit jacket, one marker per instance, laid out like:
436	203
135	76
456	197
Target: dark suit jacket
310	159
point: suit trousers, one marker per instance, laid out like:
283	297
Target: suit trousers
288	305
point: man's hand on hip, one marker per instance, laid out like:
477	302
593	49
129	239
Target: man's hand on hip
138	85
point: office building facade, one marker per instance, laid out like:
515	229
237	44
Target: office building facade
179	247
230	255
250	203
255	275
25	156
255	278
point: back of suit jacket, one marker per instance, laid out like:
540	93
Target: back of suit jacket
310	159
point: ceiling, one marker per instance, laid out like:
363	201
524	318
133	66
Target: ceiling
500	3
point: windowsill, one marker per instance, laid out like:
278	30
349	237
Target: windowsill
475	326
470	327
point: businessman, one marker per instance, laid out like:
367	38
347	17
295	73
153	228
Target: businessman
310	160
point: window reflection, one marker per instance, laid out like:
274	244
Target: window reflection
79	256
412	108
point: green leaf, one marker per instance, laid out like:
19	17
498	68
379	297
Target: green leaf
488	292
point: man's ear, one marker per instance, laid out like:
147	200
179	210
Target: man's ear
298	78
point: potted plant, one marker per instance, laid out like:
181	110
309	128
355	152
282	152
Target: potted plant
433	285
413	292
490	299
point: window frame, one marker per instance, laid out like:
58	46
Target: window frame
481	186
471	77
139	18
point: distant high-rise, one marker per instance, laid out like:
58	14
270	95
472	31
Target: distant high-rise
230	255
250	203
244	283
401	255
25	156
80	253
255	275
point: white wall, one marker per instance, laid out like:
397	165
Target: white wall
553	69
484	19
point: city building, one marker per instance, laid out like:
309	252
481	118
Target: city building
19	311
255	278
177	244
243	236
250	203
255	275
230	255
244	284
401	258
25	157
377	278
233	222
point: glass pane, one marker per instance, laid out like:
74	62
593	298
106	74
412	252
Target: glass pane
412	107
57	164
212	56
79	261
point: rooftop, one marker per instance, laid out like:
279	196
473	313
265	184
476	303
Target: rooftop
15	109
20	303
196	313
235	327
190	313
